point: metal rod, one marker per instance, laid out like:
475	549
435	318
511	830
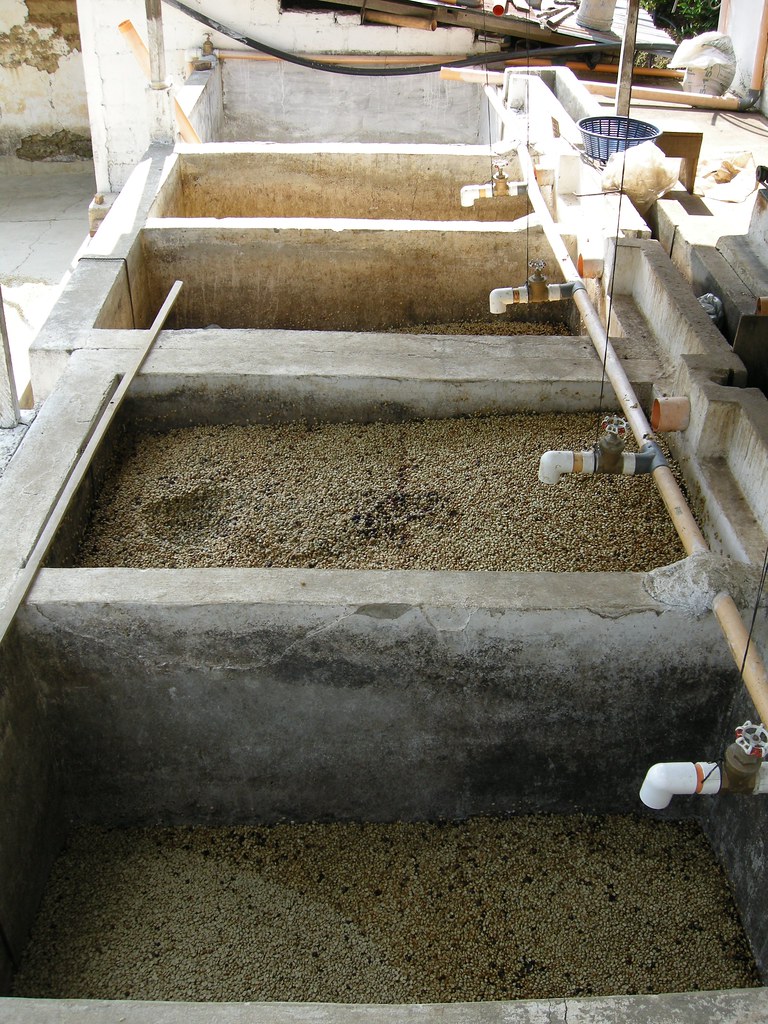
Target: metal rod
627	59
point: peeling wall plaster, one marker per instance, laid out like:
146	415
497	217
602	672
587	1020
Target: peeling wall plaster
42	88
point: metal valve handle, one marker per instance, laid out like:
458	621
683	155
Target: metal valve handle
616	425
537	265
753	738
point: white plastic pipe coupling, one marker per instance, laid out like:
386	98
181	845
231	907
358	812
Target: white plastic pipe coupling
679	778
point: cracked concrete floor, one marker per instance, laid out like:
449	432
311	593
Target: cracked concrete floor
43	230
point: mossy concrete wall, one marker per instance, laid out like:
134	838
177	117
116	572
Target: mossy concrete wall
215	696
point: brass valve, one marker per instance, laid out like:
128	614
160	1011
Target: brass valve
500	181
741	764
537	282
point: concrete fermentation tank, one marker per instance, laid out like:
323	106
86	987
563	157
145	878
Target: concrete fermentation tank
249	696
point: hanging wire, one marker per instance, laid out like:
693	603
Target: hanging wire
527	108
487	101
760	588
609	310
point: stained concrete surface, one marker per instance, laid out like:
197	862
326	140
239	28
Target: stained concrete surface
732	1007
43	230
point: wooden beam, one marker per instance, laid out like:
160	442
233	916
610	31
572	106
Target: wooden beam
627	59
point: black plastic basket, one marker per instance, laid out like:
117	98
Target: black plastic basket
604	136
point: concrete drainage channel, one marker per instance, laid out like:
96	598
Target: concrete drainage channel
248	696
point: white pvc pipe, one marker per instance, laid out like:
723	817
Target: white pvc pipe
500	298
552	465
469	193
679	778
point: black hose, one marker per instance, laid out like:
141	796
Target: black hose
420	69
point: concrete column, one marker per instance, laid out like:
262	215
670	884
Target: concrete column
627	59
162	126
9	402
156	44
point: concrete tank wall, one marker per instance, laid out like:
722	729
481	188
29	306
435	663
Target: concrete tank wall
384	182
215	696
318	274
31	820
737	828
284	103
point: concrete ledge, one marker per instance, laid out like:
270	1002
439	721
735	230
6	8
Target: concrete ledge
727	1007
728	430
679	325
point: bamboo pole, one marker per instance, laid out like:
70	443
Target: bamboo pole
401	20
472	75
690	99
627	59
758	69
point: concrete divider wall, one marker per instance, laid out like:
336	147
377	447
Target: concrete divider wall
31	813
675	317
31	819
216	696
315	274
396	182
280	102
202	100
724	457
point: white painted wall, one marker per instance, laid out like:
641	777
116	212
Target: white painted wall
42	89
117	92
740	20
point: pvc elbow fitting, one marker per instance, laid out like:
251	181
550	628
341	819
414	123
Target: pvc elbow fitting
679	778
470	193
500	298
552	465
